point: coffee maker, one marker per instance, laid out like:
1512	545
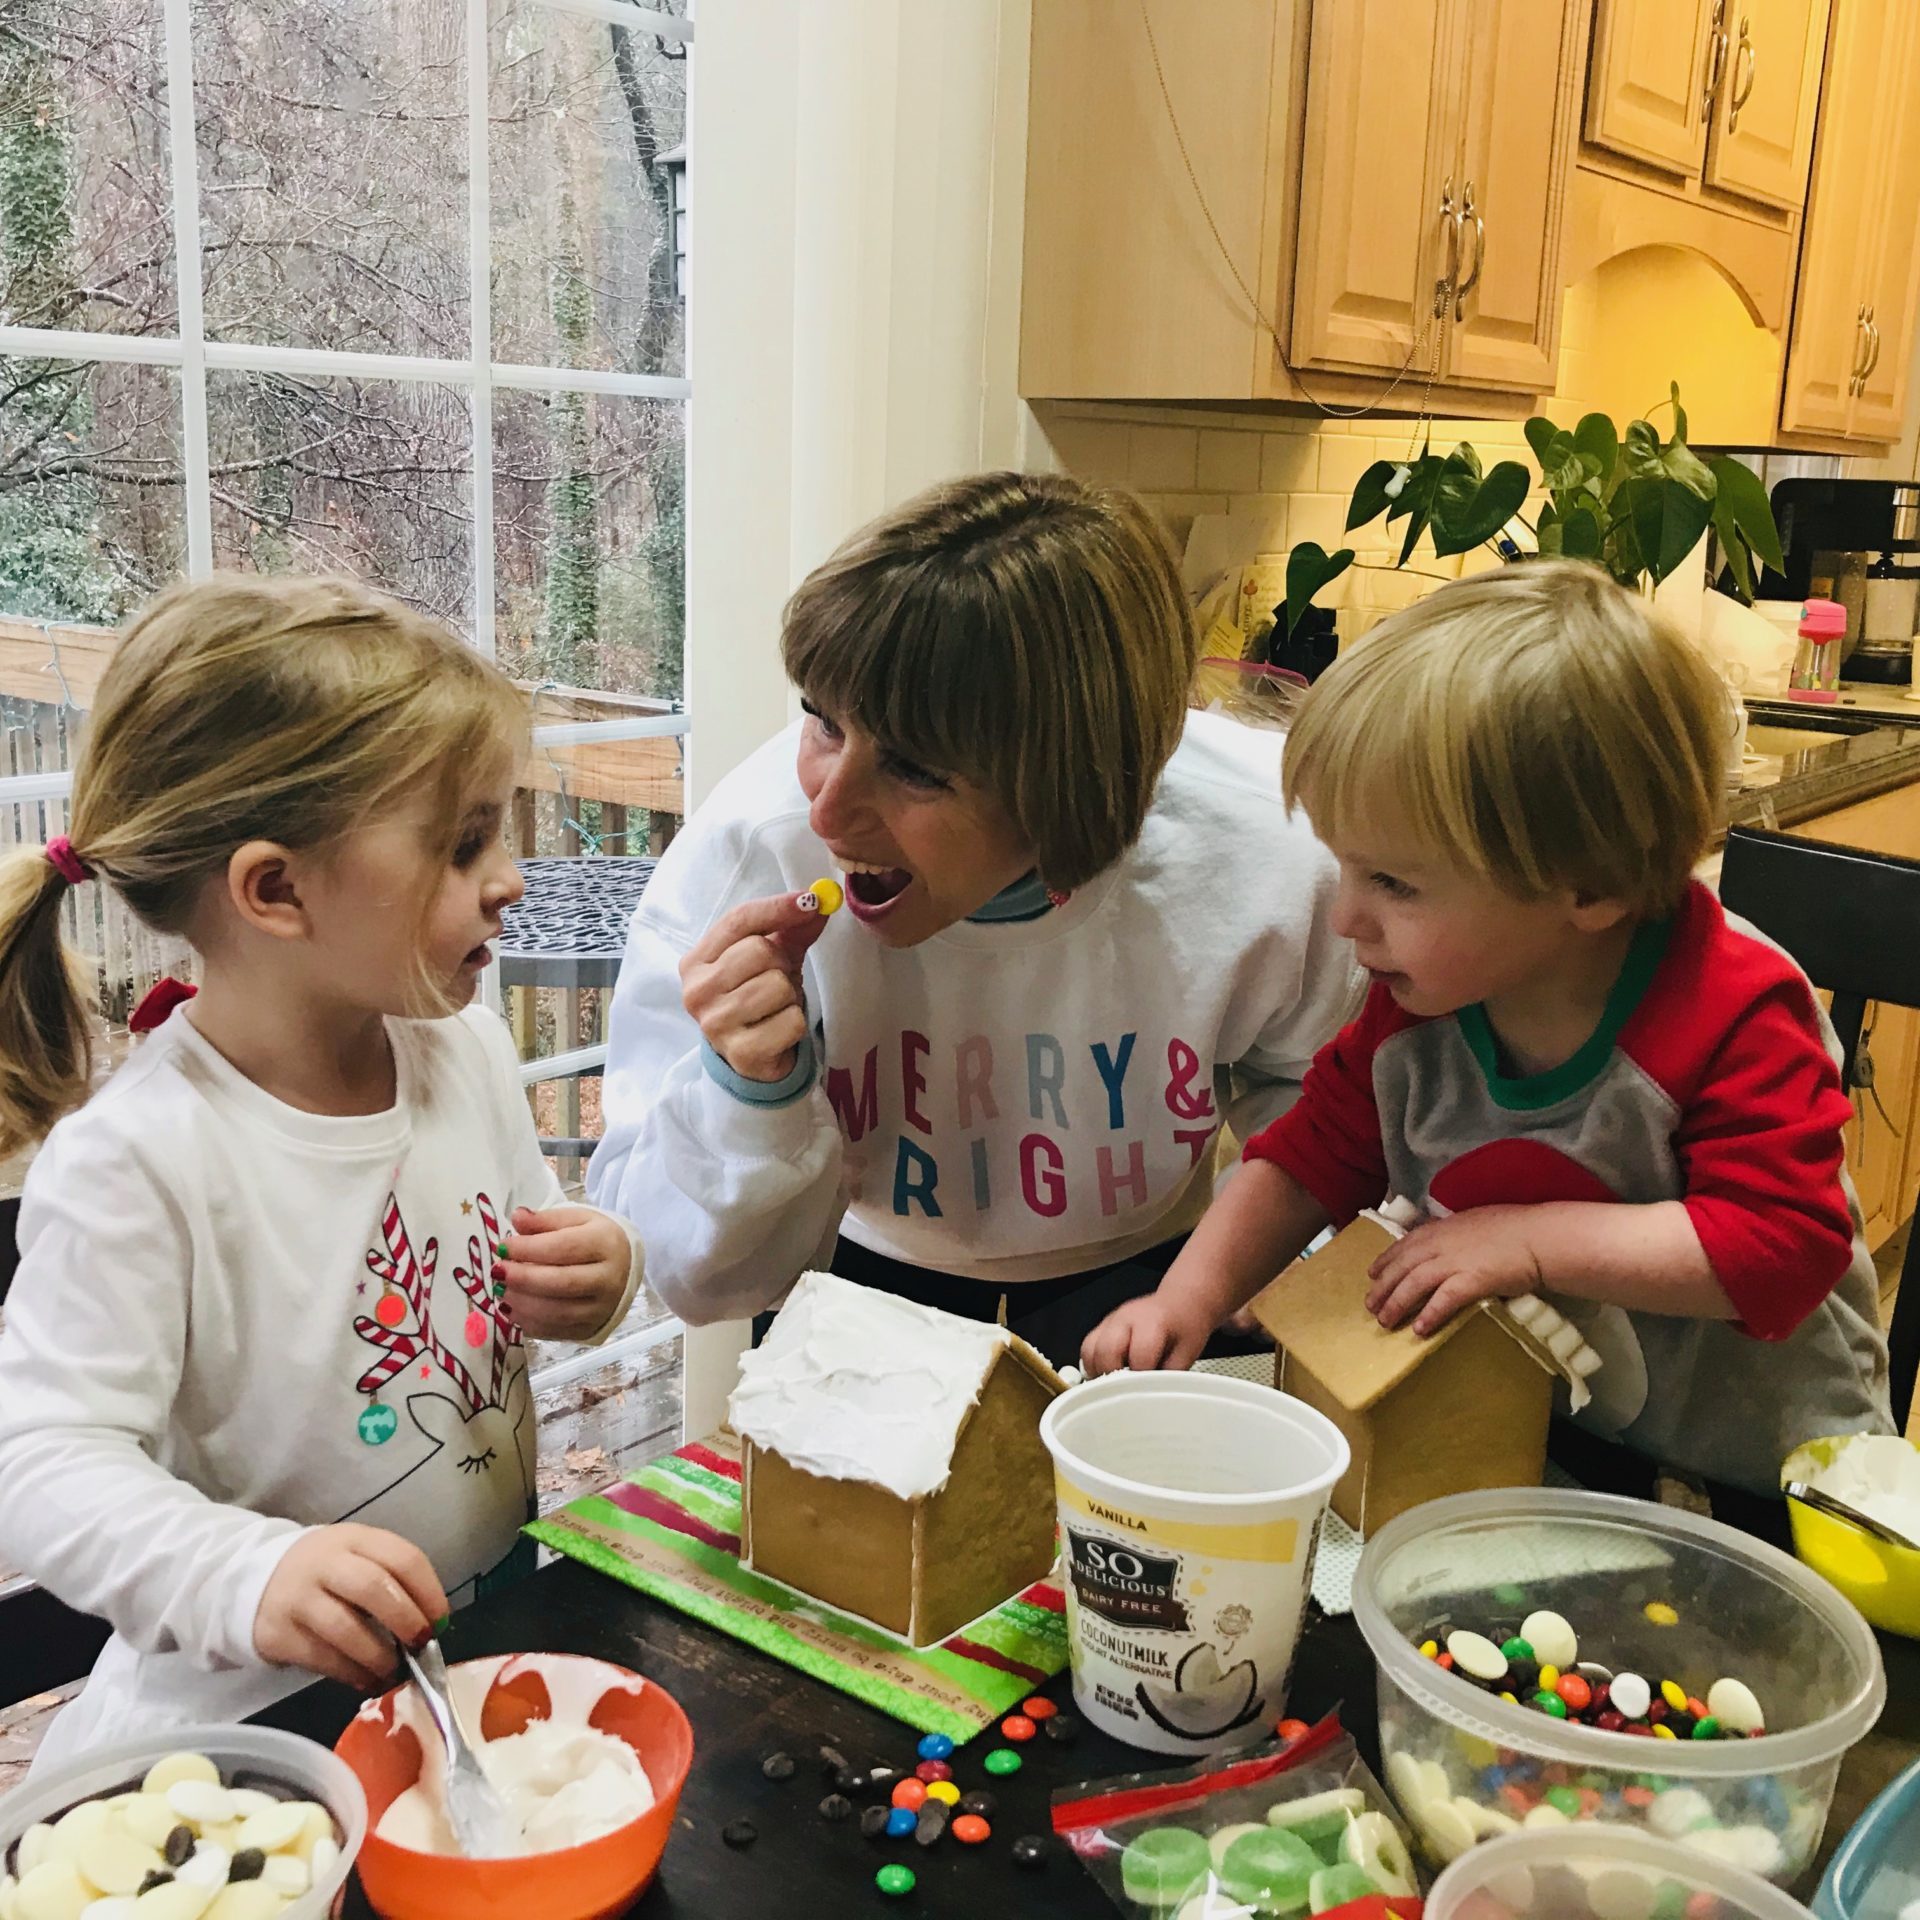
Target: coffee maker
1856	542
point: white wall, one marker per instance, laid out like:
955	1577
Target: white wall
857	178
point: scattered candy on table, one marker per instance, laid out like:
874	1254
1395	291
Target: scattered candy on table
1039	1708
1002	1760
1018	1726
778	1766
943	1793
910	1794
895	1879
1062	1728
901	1821
935	1746
739	1833
931	1770
1030	1851
971	1829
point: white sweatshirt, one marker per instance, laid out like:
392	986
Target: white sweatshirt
195	1343
1011	1101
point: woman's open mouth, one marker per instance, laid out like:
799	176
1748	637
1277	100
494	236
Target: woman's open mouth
481	956
873	892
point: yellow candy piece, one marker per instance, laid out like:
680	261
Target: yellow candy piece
1661	1731
52	1891
1429	1649
1674	1694
1512	1700
1549	1679
945	1791
1661	1614
828	897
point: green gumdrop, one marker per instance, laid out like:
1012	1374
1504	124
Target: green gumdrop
1550	1704
1335	1886
1271	1870
1163	1865
1517	1648
895	1880
1566	1800
1707	1729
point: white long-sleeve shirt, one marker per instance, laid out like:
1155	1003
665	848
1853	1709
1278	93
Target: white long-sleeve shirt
197	1363
1011	1101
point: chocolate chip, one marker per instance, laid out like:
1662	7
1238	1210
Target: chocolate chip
931	1824
1063	1727
982	1804
833	1761
836	1806
739	1833
778	1766
180	1844
154	1879
1032	1851
248	1864
873	1822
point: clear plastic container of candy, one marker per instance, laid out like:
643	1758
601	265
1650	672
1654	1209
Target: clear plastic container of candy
297	1877
1601	1873
1648	1591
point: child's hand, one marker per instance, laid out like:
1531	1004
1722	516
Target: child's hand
1443	1265
566	1269
742	984
339	1599
1146	1334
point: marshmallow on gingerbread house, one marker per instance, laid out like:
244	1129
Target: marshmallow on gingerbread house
1459	1409
892	1466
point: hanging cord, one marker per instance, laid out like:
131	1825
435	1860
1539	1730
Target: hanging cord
1429	331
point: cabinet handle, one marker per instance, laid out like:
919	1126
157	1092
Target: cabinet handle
1716	57
1873	355
1468	211
1742	89
1857	373
1450	228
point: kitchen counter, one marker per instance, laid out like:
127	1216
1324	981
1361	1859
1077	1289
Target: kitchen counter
1806	760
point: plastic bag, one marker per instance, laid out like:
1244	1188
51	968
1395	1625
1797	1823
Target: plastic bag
1299	1829
1244	690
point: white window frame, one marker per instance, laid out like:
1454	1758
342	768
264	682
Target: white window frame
193	355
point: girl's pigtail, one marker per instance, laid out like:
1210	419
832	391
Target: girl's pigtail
46	1024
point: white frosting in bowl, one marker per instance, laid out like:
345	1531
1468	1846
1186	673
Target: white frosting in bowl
563	1781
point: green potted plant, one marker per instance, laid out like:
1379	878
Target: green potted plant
1629	502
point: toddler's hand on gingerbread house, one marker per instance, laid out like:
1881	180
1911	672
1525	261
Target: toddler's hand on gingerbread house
1441	1266
565	1270
1147	1334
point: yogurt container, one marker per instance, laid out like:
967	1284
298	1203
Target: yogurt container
1190	1507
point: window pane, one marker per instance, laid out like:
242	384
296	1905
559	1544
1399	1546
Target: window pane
86	236
91	514
582	234
333	172
370	477
589	539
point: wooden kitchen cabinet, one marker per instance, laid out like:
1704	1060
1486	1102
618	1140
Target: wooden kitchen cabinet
1353	154
1646	94
1714	94
1858	296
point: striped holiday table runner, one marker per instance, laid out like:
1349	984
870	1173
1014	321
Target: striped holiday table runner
673	1531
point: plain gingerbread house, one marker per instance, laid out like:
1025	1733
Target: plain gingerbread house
892	1466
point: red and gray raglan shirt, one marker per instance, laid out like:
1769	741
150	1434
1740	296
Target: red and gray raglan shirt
1711	1079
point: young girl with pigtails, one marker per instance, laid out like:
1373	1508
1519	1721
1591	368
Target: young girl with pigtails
263	1386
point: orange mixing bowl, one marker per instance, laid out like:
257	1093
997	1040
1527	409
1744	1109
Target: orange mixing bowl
572	1883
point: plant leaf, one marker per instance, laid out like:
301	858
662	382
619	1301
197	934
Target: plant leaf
1370	499
1416	502
1468	509
1740	502
1561	468
1681	463
1598	445
1667	520
1540	432
1309	568
1580	534
1641	450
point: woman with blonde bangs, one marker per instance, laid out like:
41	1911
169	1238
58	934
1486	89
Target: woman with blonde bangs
1080	936
263	1387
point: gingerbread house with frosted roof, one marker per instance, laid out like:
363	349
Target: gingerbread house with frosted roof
892	1461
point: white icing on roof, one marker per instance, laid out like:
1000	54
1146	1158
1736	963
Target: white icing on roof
854	1384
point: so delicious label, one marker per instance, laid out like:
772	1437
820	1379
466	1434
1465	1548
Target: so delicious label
1182	1633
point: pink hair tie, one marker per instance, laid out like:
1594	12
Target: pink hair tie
65	862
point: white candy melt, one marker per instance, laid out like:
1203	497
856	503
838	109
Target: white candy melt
1552	1639
1631	1695
1734	1704
206	1803
853	1384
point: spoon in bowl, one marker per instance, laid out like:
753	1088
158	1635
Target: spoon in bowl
1823	1502
478	1816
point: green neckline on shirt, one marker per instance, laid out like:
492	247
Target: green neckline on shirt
1526	1092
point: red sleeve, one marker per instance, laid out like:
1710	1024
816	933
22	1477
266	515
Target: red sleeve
1329	1139
1760	1148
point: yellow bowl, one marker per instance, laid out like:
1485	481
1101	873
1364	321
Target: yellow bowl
1882	1581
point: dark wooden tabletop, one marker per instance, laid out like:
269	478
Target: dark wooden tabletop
744	1706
